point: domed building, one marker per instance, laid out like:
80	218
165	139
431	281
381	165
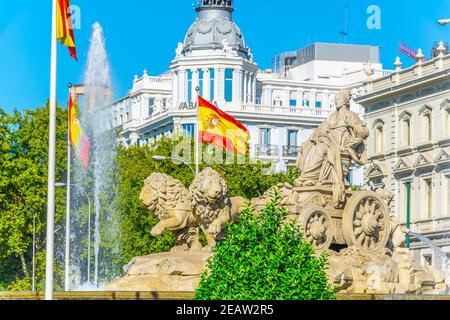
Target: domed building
280	107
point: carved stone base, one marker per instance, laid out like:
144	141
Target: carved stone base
350	270
384	273
162	272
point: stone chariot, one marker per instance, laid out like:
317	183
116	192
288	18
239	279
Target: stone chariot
362	222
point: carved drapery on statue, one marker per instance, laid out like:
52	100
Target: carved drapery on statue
327	156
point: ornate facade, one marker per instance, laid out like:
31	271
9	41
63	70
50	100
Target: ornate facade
409	150
281	110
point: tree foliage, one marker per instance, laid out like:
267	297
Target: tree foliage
265	258
23	192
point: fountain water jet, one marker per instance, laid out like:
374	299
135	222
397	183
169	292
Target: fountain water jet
445	262
98	94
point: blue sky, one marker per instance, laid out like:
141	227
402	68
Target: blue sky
144	34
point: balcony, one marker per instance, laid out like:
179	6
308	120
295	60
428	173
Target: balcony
277	110
266	150
290	151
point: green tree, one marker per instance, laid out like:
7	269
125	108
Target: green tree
23	192
265	258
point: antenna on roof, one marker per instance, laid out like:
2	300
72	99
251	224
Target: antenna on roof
343	34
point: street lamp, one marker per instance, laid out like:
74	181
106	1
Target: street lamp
174	159
66	279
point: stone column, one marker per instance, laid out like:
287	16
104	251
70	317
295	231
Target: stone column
246	87
237	85
195	84
175	93
206	84
287	97
312	98
220	85
253	94
182	86
299	98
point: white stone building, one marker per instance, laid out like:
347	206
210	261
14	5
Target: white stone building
280	109
409	148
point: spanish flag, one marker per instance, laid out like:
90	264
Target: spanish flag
64	29
78	139
219	128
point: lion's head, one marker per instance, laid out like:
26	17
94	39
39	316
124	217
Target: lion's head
161	191
208	187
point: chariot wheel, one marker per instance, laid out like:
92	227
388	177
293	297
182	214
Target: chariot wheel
318	228
366	222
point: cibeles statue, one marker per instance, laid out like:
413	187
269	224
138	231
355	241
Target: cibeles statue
328	154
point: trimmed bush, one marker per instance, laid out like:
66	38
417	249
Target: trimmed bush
265	258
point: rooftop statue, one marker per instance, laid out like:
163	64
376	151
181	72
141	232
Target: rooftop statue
326	157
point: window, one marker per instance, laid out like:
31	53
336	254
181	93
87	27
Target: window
427	133
151	102
128	117
318	100
379	138
188	129
293	99
265	137
447	122
427	199
228	85
405	197
200	81
213	78
407	132
447	178
189	85
292	138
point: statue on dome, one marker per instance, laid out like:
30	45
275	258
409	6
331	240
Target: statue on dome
179	49
327	156
227	49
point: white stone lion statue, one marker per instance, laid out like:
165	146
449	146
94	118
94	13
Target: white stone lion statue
171	203
212	207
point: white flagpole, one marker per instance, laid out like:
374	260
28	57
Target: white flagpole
197	136
51	165
67	253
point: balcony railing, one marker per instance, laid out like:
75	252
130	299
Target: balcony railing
266	150
290	151
301	111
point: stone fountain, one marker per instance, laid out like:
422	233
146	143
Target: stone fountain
364	242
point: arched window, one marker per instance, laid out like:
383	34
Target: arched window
406	136
427	124
379	137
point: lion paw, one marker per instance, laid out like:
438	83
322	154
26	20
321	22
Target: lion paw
156	232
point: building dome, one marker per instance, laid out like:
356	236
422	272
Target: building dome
213	26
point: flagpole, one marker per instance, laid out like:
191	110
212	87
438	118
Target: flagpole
69	154
197	136
51	165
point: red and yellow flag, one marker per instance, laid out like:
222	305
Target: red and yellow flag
79	140
64	29
219	128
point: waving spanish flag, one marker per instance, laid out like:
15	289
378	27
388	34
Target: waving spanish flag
79	140
64	29
219	128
